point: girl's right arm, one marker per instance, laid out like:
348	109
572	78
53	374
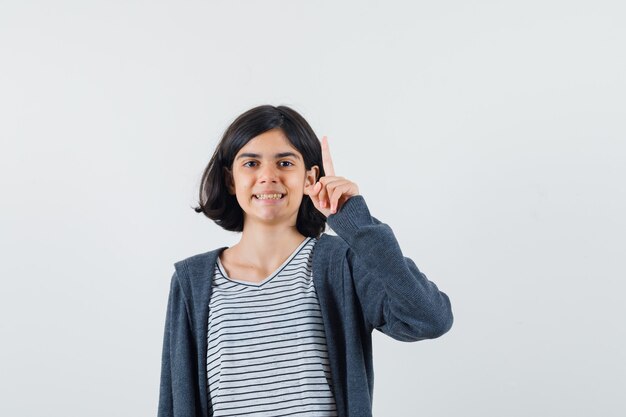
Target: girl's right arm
176	395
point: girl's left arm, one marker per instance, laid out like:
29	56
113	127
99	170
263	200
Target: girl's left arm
396	298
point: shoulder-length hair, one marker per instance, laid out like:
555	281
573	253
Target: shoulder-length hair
220	206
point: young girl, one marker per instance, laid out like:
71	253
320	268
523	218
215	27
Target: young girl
280	324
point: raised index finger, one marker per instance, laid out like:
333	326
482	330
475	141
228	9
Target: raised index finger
327	161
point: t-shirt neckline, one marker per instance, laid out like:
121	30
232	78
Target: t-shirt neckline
270	276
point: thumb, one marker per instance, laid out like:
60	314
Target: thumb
314	191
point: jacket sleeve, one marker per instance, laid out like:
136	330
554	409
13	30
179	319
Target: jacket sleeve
396	298
176	394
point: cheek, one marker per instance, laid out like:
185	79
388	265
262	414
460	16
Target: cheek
297	184
243	182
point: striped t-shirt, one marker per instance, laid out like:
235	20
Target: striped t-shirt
266	351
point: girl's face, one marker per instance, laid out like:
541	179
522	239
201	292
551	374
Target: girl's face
269	179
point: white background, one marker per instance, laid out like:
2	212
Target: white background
489	135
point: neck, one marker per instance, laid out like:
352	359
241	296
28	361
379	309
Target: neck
267	245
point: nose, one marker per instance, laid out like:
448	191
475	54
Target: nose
268	173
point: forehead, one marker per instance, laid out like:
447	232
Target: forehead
270	142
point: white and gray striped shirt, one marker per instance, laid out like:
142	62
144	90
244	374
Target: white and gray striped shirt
266	351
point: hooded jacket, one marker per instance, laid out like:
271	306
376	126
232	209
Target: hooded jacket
363	282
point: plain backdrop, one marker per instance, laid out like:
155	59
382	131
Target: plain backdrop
489	135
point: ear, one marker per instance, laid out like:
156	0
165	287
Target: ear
228	179
311	178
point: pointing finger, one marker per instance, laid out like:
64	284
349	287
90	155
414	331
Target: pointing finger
327	161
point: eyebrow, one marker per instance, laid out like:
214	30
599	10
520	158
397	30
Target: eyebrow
276	156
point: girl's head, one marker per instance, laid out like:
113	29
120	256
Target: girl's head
265	150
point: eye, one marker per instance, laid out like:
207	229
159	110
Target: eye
288	162
249	162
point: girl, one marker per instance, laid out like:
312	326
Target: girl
280	324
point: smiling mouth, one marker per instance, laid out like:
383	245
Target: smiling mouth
268	196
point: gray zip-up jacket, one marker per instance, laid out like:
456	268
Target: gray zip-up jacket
363	282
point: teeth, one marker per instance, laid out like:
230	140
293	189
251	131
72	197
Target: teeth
268	196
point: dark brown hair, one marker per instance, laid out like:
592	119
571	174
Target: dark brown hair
220	206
